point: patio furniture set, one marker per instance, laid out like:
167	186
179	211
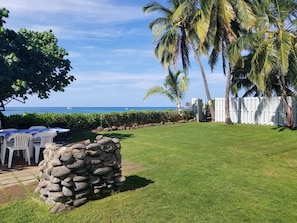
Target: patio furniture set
27	140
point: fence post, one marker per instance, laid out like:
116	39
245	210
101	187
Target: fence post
197	109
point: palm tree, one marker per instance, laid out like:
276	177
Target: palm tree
173	88
240	81
175	35
225	21
273	48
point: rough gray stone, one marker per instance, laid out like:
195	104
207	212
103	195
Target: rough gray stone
77	164
79	155
60	171
105	156
94	152
66	191
120	179
43	183
78	146
78	178
116	140
60	207
56	162
82	194
80	202
93	146
98	137
80	171
67	157
56	196
67	182
55	180
49	170
92	160
45	176
102	171
118	156
94	180
54	187
104	140
78	186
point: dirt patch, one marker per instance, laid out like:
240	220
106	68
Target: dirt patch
13	193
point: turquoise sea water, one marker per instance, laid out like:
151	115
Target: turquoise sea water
85	110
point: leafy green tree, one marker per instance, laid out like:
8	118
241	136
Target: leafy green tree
225	20
30	63
272	48
175	35
174	88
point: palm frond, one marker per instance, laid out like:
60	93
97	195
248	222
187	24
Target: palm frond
245	14
158	90
284	48
155	6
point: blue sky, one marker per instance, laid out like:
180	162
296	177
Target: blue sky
111	51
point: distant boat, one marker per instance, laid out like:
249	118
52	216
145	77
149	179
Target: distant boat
69	108
188	105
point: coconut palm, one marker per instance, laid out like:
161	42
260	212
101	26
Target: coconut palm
225	20
174	35
174	87
240	81
273	49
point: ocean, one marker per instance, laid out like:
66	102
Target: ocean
85	110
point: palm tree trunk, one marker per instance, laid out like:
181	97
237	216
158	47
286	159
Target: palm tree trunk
289	113
179	108
227	97
211	107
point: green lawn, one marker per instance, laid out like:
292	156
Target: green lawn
195	172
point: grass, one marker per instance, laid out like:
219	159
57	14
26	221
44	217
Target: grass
195	172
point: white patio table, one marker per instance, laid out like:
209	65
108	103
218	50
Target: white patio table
6	133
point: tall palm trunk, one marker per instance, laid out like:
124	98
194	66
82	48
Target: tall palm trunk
211	107
227	97
179	109
289	113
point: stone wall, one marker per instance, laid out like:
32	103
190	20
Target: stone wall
72	175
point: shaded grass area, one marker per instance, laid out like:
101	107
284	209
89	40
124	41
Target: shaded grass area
195	172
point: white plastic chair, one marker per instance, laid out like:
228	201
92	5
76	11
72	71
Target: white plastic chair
20	142
32	128
40	140
3	141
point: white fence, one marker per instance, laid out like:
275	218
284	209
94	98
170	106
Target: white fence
255	110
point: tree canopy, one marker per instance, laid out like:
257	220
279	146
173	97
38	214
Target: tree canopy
30	63
255	41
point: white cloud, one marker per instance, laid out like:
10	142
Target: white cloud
91	11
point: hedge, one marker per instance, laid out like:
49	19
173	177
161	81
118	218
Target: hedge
80	121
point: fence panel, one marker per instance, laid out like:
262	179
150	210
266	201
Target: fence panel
255	110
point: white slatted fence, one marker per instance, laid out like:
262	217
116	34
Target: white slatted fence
255	110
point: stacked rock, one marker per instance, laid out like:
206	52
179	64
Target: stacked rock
72	175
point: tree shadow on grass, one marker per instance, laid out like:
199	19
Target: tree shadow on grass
120	136
282	128
135	182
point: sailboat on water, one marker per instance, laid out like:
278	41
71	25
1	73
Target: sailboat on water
69	107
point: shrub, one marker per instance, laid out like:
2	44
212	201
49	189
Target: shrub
80	121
